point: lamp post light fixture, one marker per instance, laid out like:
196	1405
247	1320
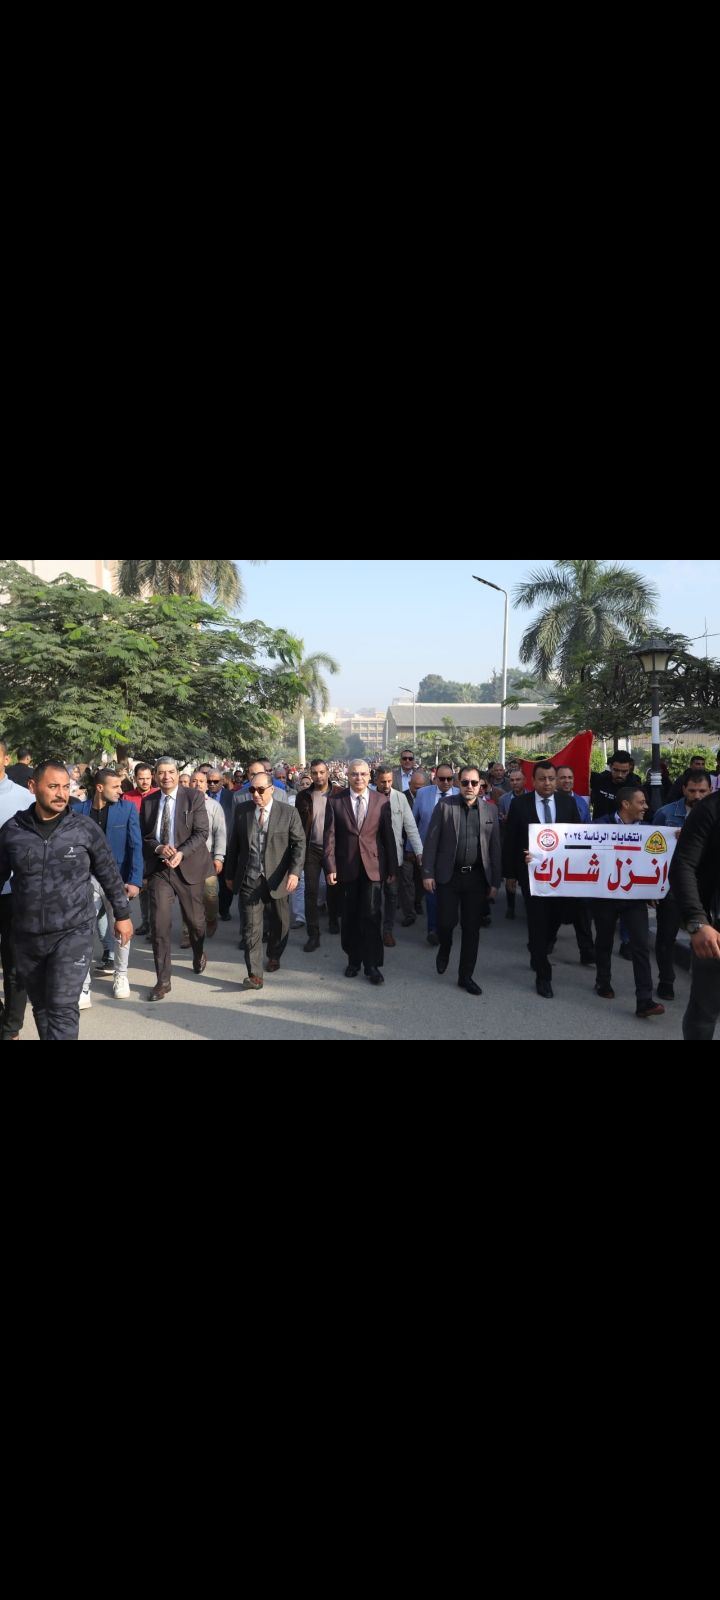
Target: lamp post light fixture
414	698
489	585
653	656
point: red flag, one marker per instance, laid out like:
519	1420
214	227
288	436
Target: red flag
576	755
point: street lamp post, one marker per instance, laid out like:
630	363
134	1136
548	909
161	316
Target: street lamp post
653	657
409	691
490	585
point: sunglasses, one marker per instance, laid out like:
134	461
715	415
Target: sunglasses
471	783
407	758
258	789
445	778
216	780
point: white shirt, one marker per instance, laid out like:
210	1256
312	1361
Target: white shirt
540	807
167	800
262	813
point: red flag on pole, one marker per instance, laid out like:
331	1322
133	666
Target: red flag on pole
576	755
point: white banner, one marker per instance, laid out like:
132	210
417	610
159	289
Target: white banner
600	861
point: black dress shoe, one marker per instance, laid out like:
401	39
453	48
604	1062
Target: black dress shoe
433	938
588	961
225	916
665	991
510	916
625	951
486	922
471	986
143	929
418	911
312	944
374	975
333	927
442	962
351	972
407	922
544	989
199	966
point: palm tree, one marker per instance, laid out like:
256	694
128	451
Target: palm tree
218	581
317	695
586	605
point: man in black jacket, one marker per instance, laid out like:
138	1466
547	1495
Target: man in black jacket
53	853
695	882
630	809
544	915
605	786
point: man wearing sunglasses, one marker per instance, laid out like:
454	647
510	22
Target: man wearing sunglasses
462	858
402	775
425	804
265	858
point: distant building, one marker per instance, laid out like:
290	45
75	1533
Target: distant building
102	574
399	720
370	729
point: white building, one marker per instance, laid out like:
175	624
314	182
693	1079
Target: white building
100	573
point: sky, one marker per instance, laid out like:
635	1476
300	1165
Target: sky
389	623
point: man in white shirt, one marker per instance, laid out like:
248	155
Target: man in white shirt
175	829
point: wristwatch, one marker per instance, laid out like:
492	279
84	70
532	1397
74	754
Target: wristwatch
694	927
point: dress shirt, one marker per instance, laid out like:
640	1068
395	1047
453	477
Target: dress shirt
167	800
406	777
262	813
468	845
540	808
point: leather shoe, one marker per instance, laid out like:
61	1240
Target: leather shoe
486	922
588	961
273	965
407	922
143	929
225	916
333	927
418	911
433	938
351	972
544	989
471	986
605	991
374	975
388	941
252	983
442	962
199	966
312	944
184	944
212	929
159	992
665	991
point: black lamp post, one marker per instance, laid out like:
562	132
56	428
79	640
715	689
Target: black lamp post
653	657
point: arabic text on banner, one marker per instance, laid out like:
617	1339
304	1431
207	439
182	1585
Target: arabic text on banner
603	861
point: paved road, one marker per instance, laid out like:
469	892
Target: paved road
311	999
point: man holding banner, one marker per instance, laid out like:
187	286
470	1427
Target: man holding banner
544	917
620	865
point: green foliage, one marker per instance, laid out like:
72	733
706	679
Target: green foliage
326	742
678	758
587	605
217	581
82	671
354	747
441	691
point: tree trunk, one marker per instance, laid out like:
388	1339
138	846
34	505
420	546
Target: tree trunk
301	740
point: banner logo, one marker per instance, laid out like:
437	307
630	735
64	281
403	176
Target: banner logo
656	845
548	840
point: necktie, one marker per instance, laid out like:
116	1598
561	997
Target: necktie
165	827
360	811
548	812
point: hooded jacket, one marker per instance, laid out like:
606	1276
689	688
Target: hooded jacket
51	888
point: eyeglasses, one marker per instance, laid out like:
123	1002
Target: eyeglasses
407	758
255	789
471	783
216	780
484	788
444	777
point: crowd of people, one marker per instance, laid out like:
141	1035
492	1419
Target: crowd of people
361	844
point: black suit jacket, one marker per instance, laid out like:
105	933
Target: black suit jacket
442	840
192	830
522	814
284	849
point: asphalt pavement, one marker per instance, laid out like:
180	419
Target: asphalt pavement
311	999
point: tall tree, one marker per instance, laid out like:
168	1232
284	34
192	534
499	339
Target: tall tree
586	605
82	671
316	695
217	581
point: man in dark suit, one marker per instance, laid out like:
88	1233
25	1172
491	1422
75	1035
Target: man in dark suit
174	826
403	774
360	853
462	857
544	916
265	857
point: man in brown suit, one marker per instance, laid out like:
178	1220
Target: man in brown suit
359	853
174	826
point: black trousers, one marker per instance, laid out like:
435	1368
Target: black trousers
635	918
410	884
704	1007
225	895
15	995
52	968
464	896
360	918
165	886
545	918
254	897
668	924
313	868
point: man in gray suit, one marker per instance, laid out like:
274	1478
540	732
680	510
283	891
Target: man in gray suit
266	855
462	855
403	773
